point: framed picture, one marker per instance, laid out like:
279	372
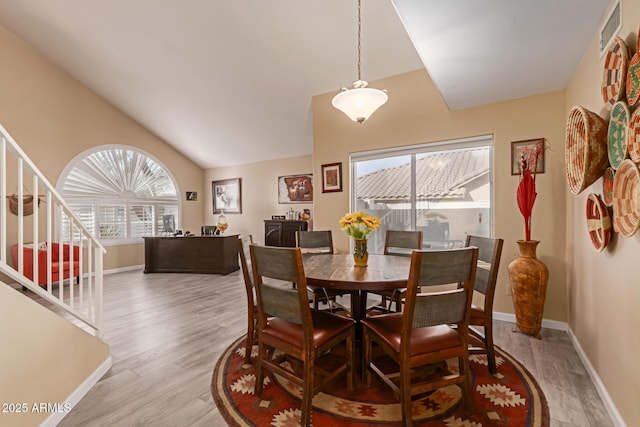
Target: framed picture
192	196
519	148
295	189
332	177
227	196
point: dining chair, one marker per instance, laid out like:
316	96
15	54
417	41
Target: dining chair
400	243
489	252
244	242
319	242
432	328
293	330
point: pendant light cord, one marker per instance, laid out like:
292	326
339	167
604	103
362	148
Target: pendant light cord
359	31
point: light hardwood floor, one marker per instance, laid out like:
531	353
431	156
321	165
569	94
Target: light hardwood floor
166	332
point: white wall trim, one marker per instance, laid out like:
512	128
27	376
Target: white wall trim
123	269
600	388
551	324
79	393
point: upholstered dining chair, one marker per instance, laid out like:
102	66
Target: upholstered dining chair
302	335
398	242
489	252
319	242
252	310
432	328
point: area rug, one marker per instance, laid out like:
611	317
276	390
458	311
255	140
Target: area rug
510	398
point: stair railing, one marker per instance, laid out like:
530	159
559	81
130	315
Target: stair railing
81	295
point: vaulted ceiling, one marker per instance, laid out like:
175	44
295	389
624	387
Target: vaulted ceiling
230	82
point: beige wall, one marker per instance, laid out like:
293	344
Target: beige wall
54	118
604	288
416	114
259	193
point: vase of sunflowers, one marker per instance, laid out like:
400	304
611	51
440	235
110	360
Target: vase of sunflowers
359	225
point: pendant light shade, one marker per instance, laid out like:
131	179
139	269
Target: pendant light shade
359	102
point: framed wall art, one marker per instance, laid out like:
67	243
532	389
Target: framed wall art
295	189
192	196
227	195
332	177
524	147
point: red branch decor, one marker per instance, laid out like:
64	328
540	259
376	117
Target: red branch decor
526	193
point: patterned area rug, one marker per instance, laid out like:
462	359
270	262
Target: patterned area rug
510	398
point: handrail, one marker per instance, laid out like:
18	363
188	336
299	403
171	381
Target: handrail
83	299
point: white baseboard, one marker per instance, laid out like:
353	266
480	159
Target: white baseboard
551	324
600	388
123	269
79	393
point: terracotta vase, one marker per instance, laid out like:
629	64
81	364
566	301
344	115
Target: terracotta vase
360	253
528	277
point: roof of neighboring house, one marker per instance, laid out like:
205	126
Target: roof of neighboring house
438	175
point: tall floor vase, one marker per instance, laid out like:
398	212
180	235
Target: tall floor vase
528	277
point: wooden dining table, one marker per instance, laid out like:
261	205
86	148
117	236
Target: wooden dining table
336	271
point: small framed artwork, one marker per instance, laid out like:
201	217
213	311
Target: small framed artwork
332	177
227	195
295	189
192	196
519	148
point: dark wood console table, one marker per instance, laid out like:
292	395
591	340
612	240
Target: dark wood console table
282	232
210	254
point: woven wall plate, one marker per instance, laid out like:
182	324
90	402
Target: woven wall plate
585	151
633	136
626	198
614	73
617	135
607	186
633	80
598	222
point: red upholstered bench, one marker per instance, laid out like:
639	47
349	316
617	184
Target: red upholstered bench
56	263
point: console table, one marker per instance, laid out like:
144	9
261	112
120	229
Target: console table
210	254
282	232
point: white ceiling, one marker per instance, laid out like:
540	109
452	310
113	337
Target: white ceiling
230	82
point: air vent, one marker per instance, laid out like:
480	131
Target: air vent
611	27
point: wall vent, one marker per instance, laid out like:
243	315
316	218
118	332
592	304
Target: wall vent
611	27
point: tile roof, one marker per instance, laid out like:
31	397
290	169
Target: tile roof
438	175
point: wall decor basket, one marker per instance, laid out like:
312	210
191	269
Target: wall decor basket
633	80
626	199
598	222
633	137
617	141
27	204
585	152
607	186
614	73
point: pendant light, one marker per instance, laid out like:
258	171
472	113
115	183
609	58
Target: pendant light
359	102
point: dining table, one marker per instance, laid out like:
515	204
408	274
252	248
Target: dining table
336	271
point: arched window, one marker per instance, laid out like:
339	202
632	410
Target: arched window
120	193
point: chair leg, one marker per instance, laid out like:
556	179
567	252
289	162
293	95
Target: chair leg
405	396
366	358
307	393
249	344
488	342
350	355
463	363
259	370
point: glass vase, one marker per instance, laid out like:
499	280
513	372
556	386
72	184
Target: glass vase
360	253
222	223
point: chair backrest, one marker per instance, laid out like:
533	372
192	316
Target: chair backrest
244	254
315	241
433	268
489	253
398	242
208	230
272	267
